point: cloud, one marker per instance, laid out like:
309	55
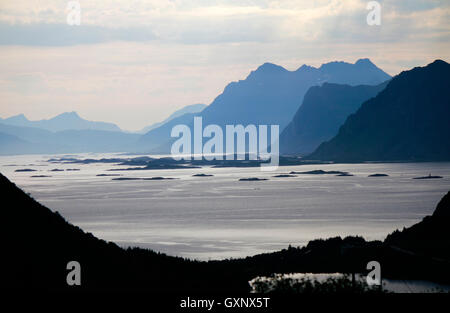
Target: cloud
65	35
216	21
132	62
25	83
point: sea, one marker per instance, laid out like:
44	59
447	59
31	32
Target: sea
219	216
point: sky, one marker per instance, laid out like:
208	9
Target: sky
134	62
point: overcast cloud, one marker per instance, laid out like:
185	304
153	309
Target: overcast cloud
133	62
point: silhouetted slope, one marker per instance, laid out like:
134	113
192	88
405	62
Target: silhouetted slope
8	142
38	244
193	108
408	120
270	95
153	139
430	237
323	111
30	134
443	208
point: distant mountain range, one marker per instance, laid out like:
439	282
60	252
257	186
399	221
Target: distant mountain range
342	112
270	95
64	121
13	144
407	121
28	140
69	133
323	111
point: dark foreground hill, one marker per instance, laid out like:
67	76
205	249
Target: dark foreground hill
408	120
38	244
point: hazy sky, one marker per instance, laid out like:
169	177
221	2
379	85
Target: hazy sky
134	62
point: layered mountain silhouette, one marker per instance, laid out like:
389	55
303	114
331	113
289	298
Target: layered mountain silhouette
13	143
271	95
39	243
407	121
26	140
69	133
158	139
324	109
64	121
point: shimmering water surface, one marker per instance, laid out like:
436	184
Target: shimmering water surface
219	216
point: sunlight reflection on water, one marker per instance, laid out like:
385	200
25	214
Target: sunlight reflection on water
219	216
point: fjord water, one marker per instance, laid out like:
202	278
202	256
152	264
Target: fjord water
221	217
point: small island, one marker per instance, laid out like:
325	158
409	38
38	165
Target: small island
378	175
319	172
252	179
146	178
284	175
345	174
428	177
202	175
107	175
25	170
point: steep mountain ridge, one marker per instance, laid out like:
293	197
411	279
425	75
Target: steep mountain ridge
407	121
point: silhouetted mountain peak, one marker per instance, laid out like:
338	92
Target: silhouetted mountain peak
437	68
270	67
362	72
69	116
73	113
364	61
332	64
305	68
341	64
63	121
267	69
438	62
17	118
